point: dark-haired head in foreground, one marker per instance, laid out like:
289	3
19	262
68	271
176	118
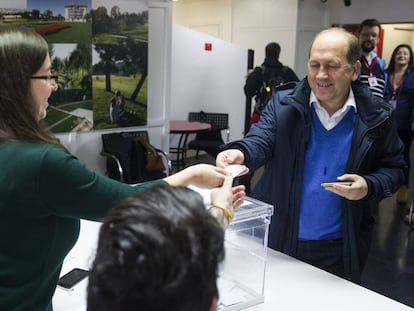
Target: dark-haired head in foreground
158	250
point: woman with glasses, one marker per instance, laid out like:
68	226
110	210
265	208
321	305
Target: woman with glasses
400	94
45	190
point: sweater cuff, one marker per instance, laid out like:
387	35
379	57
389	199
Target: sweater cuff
370	189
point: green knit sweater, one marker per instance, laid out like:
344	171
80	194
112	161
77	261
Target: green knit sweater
44	191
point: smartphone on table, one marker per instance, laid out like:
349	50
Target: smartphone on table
73	277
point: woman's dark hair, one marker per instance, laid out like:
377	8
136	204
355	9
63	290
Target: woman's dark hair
22	54
391	66
158	250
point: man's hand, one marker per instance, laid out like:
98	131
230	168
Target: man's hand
230	156
356	191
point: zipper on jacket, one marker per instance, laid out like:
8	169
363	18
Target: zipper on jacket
296	189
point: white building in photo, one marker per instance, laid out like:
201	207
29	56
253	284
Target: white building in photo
75	12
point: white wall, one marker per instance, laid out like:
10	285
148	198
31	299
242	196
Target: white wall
313	16
292	23
247	23
384	10
207	80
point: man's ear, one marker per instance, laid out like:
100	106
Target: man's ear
213	306
356	67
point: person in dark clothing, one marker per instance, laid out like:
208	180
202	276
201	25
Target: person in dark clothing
270	74
330	127
399	92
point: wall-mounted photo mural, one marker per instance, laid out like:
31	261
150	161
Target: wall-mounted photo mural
99	50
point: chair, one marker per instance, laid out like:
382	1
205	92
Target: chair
126	157
210	141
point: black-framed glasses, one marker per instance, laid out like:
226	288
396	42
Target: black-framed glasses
47	77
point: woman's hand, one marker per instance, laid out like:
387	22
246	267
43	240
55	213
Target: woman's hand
200	175
225	200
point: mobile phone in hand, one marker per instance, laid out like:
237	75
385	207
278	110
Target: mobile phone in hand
73	277
331	183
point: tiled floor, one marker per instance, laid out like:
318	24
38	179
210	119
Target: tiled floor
390	266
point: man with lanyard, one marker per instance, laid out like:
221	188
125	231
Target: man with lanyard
372	72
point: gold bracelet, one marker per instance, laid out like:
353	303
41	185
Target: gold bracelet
227	212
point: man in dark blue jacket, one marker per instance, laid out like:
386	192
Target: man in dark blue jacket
329	128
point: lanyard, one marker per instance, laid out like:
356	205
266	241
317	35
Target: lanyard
370	66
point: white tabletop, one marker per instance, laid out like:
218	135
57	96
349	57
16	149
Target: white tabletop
293	285
289	284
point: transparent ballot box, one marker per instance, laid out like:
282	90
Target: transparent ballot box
242	274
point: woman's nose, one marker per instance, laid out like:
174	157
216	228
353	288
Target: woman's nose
54	85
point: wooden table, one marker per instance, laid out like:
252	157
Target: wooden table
184	129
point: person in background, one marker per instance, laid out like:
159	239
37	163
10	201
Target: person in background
270	74
159	250
400	94
372	72
117	111
45	190
120	99
261	83
329	128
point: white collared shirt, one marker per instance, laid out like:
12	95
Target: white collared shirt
370	57
329	122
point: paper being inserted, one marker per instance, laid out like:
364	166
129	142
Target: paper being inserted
205	193
236	169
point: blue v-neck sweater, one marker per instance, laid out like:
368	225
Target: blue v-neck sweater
326	158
